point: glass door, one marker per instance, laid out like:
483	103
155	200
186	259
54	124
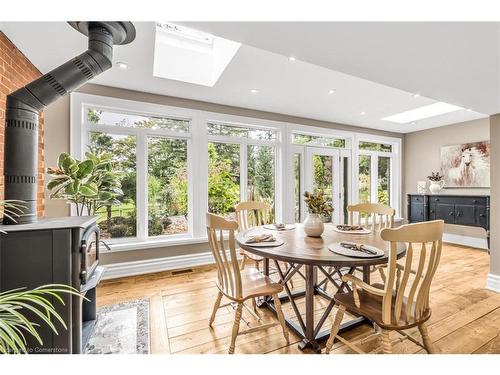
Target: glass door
323	172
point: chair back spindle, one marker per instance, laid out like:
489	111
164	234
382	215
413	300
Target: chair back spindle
228	270
251	214
407	285
373	216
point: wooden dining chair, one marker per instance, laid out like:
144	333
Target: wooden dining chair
251	214
238	285
380	215
402	302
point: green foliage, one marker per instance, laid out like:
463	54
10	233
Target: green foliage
11	209
16	304
318	203
223	178
91	184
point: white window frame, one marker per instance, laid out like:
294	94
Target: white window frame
244	142
198	139
395	169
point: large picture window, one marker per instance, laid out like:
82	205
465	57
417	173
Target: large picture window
176	164
167	186
118	221
223	178
150	152
376	173
236	154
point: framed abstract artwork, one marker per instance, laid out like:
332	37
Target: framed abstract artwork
466	165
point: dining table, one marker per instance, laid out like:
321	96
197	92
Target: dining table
311	259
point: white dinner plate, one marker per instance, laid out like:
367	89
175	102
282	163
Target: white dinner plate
265	244
337	249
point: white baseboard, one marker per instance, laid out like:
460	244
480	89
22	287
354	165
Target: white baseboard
140	267
477	242
493	282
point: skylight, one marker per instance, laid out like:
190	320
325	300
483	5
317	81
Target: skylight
436	109
189	55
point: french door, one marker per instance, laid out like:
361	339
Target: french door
322	171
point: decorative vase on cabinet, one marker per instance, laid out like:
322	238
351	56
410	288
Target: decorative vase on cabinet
313	225
436	186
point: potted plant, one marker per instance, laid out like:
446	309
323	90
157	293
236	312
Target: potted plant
17	304
318	205
89	184
436	181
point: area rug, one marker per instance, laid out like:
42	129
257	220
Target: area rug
121	329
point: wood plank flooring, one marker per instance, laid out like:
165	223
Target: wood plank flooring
465	319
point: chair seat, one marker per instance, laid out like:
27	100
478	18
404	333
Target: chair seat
370	306
255	284
255	258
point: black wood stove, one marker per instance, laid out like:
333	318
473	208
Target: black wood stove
56	251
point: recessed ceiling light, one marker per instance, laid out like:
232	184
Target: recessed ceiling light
292	59
363	113
122	65
416	95
254	91
332	91
436	109
413	122
469	110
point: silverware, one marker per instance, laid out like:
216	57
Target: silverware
356	247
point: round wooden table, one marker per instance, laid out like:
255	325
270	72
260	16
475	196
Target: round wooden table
302	252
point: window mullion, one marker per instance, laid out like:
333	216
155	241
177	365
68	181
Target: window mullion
142	186
243	172
374	178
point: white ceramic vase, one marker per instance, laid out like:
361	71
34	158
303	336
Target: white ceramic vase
436	186
313	225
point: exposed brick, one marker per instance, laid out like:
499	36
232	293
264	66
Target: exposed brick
15	72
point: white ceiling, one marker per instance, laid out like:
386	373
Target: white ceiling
465	73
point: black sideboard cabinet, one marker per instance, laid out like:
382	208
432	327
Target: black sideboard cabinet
468	210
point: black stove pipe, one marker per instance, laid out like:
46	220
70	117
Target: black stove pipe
24	105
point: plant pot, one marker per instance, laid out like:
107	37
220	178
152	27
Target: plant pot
313	225
436	186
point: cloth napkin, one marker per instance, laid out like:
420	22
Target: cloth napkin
265	237
349	227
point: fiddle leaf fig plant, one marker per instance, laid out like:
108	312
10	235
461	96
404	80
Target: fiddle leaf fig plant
89	184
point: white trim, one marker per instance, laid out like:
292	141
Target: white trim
493	282
125	244
140	267
479	243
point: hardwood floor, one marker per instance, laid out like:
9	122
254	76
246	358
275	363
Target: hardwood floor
465	319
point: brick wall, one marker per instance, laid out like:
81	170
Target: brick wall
15	72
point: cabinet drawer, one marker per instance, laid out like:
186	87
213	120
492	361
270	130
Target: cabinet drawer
417	199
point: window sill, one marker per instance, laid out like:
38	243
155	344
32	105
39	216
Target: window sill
155	243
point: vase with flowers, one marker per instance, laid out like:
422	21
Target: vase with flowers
436	182
318	206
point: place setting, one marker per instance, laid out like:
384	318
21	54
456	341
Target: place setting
279	226
355	250
263	240
351	229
